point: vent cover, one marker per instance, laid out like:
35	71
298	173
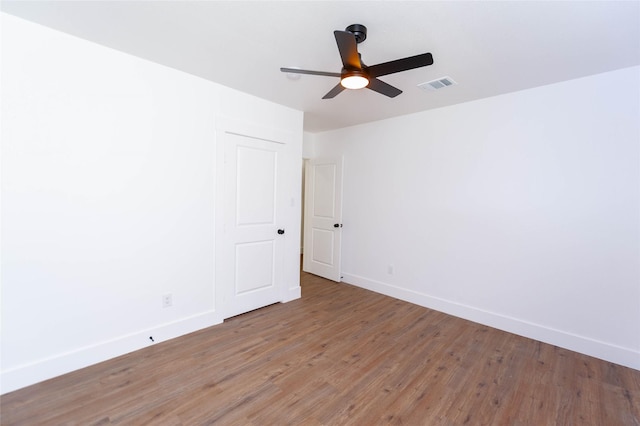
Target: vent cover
436	84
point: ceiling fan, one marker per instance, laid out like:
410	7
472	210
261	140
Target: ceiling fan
355	74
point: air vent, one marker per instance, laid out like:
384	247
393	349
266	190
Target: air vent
439	83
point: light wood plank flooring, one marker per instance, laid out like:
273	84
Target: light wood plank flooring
340	355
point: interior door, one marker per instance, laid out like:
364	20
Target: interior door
323	218
253	248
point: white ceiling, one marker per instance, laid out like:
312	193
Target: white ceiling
487	47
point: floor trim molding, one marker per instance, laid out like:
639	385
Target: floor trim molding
48	368
598	349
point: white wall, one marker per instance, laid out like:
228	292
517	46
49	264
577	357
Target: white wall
108	200
520	211
308	145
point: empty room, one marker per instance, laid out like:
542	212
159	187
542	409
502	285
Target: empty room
320	212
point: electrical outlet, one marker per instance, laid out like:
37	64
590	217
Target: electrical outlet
167	300
390	270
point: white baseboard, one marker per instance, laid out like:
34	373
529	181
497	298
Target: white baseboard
292	293
598	349
29	374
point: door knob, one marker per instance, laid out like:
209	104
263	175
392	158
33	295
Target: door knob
280	231
337	225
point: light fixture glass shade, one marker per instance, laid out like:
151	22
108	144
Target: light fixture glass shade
354	81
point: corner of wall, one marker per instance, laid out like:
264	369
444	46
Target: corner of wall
308	145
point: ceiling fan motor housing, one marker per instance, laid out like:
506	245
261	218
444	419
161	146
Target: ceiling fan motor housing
359	31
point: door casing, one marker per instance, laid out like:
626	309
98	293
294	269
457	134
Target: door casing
323	217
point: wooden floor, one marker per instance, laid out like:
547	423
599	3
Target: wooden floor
340	355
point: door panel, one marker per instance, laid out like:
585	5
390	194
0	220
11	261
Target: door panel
324	184
254	266
323	210
256	185
322	246
252	253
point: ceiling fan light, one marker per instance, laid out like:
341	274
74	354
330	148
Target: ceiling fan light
354	80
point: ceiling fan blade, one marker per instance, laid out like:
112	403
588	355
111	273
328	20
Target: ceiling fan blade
298	71
348	49
401	65
334	92
383	88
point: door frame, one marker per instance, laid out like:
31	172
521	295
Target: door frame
227	125
335	275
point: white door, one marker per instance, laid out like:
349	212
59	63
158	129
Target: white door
251	266
323	217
